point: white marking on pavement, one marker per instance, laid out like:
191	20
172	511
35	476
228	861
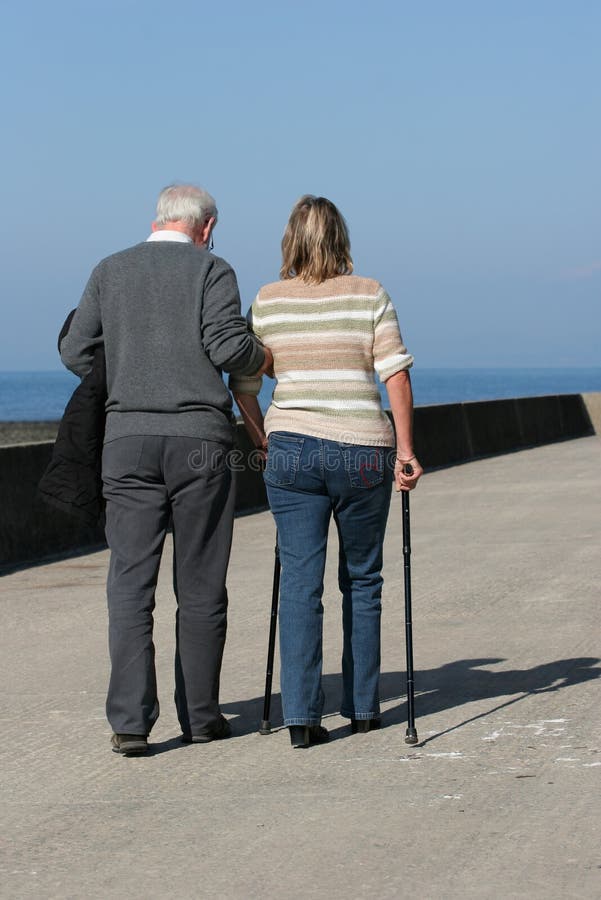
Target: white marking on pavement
454	755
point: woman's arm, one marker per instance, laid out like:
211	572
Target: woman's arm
400	397
253	418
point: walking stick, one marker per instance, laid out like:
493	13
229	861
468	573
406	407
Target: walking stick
411	733
275	596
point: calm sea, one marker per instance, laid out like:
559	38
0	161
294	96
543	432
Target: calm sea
34	396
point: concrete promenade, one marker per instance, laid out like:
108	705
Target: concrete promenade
501	799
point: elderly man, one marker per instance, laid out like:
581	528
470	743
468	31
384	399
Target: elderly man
168	313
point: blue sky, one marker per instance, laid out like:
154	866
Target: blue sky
461	141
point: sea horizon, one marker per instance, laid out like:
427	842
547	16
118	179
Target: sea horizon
41	395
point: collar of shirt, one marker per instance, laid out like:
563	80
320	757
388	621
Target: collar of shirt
166	235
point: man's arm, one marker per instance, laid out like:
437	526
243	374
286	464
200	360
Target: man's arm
84	331
226	337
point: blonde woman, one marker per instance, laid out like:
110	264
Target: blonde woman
331	451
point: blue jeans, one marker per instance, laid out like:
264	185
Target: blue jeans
309	479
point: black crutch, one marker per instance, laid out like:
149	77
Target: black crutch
275	596
411	733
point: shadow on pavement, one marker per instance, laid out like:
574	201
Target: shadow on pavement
451	685
157	747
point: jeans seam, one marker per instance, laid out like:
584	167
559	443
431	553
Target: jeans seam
301	720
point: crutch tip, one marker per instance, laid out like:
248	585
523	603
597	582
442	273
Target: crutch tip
411	737
265	727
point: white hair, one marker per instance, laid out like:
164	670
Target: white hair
185	203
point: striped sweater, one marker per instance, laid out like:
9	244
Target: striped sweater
328	342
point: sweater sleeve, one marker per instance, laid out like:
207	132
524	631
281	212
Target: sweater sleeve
248	384
226	338
84	333
390	354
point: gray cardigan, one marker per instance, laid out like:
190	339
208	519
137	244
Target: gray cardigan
168	314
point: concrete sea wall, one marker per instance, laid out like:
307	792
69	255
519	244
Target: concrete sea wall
445	435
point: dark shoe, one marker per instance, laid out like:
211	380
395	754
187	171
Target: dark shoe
305	735
130	744
362	726
222	730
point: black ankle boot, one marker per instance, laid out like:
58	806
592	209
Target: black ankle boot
302	736
299	735
362	726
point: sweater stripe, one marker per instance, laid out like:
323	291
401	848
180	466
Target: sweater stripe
320	375
346	301
318	317
314	403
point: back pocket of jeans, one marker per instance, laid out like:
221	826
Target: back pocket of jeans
283	458
364	466
122	456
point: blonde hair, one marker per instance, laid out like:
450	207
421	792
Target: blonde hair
316	243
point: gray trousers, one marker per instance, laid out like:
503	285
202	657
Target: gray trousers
150	481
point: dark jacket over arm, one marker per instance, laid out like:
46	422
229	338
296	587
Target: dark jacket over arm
72	482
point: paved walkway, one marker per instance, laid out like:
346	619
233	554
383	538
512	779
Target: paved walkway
500	800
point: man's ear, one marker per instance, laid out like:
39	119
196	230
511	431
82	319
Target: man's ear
155	227
206	230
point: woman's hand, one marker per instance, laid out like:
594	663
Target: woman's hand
267	367
407	473
261	451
